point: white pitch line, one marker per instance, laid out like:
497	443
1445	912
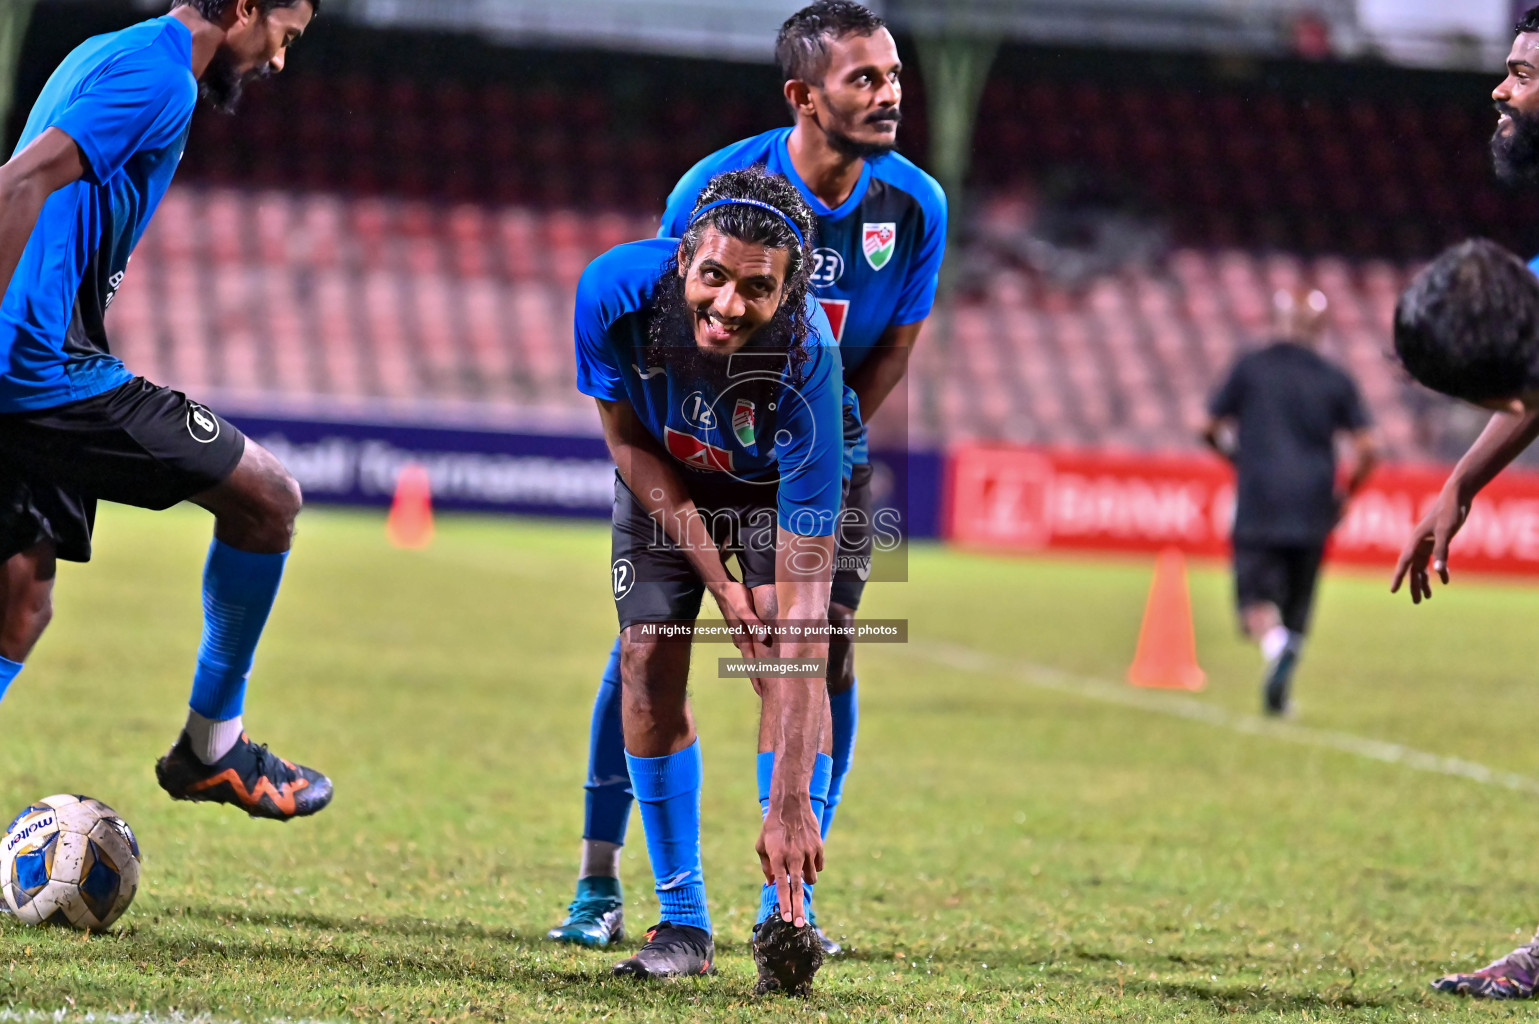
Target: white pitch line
1045	678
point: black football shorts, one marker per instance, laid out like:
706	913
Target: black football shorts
652	578
852	565
137	444
1280	574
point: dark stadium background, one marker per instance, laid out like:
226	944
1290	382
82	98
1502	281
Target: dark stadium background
1125	214
1360	158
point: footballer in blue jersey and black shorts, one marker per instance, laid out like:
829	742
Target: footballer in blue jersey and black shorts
722	400
1468	326
881	225
98	152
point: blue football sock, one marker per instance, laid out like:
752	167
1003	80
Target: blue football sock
668	790
822	773
822	782
607	804
238	592
845	709
8	671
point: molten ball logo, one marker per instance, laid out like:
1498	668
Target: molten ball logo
23	834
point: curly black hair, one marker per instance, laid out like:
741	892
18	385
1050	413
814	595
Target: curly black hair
791	328
1529	22
1468	325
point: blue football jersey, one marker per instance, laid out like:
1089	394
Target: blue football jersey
707	428
878	254
126	99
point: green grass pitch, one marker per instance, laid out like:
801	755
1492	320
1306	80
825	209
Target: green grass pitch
1006	850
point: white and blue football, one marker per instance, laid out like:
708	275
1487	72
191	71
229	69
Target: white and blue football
69	860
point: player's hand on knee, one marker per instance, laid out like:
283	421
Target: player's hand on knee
791	852
736	603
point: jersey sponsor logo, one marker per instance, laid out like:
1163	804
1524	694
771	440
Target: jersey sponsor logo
113	284
622	576
696	453
742	422
879	242
649	372
827	267
202	424
837	311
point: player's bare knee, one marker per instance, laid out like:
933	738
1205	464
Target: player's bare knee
764	603
40	608
1257	619
634	658
841	649
278	495
271	518
289	500
841	665
649	669
260	503
27	616
28	600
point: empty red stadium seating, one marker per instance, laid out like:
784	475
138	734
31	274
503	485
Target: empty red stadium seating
310	297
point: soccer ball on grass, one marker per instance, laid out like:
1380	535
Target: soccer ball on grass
69	860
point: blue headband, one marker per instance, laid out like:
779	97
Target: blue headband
708	207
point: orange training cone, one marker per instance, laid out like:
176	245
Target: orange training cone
411	513
1167	645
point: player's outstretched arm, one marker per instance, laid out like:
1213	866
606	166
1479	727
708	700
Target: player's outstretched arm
1503	440
50	161
790	844
1365	456
646	471
884	367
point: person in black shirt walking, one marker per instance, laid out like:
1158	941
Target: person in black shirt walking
1277	418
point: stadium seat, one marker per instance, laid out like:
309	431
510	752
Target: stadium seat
321	296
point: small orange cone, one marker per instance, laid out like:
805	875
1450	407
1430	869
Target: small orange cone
411	513
1167	644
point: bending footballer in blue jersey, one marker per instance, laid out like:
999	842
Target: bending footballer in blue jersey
1466	327
76	426
720	392
881	238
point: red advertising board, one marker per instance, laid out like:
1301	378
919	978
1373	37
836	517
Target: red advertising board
1036	499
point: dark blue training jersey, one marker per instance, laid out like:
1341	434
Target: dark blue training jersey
126	98
799	438
879	253
1288	403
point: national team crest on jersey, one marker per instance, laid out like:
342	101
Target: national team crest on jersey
879	242
697	454
742	422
